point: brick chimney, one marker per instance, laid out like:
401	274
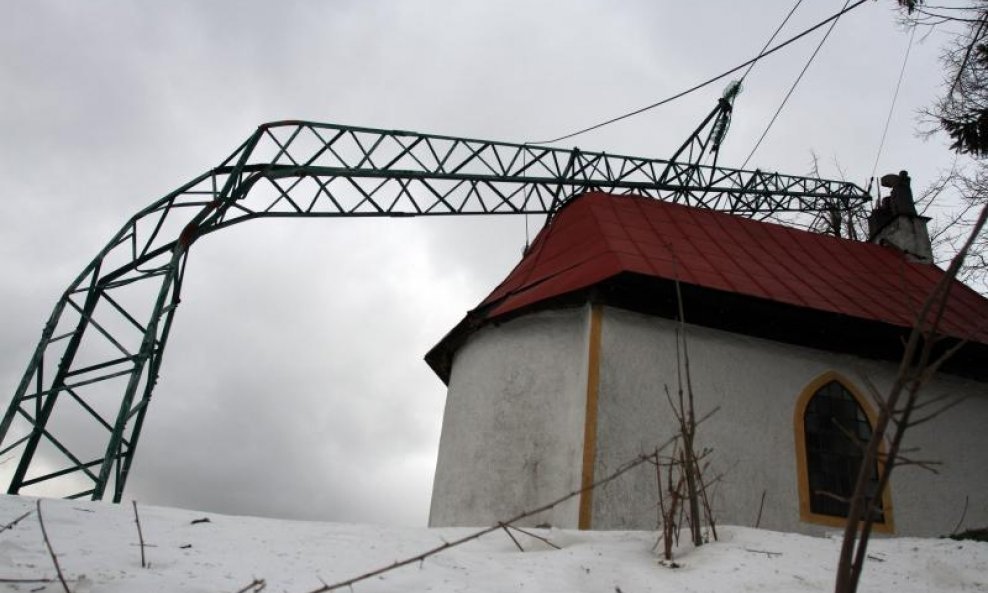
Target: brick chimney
895	223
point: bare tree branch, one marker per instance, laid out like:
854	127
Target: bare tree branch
511	535
967	499
13	523
255	586
140	535
916	368
534	536
51	552
623	469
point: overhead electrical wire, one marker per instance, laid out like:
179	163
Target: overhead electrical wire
795	83
708	82
751	65
772	38
895	96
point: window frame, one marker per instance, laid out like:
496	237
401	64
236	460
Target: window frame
802	471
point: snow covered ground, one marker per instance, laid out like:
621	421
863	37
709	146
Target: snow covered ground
98	550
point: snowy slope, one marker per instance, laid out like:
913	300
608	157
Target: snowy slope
97	547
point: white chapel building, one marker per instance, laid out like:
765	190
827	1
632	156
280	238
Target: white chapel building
558	377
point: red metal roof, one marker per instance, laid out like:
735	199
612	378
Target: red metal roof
598	236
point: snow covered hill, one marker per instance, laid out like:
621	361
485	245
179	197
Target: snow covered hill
98	549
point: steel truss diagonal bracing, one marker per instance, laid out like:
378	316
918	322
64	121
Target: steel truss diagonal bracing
101	350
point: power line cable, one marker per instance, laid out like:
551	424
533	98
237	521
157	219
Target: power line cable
761	53
772	38
765	54
895	95
792	88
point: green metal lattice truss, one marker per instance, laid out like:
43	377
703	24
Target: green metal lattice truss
101	350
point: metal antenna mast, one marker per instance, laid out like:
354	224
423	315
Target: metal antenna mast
100	352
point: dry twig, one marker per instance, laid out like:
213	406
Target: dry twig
140	535
761	505
957	528
511	535
482	532
534	535
13	523
766	552
51	552
255	586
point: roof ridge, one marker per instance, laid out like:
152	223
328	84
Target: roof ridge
598	235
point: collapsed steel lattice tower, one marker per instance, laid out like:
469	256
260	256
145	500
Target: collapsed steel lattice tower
100	352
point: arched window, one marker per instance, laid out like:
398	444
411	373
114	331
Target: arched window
833	425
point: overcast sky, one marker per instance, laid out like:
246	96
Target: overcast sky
293	385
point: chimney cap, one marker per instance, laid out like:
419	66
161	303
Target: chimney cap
892	180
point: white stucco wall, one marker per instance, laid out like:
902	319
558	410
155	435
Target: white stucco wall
756	384
513	431
512	435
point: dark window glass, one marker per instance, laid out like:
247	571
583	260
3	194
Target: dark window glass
837	431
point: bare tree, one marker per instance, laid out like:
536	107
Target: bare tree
962	112
689	487
954	219
924	354
670	503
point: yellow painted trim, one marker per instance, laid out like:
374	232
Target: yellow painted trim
802	474
590	418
